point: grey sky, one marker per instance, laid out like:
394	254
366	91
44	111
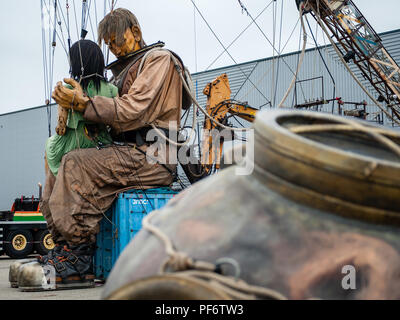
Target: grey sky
172	21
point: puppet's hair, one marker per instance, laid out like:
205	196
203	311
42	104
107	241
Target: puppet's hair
93	63
116	22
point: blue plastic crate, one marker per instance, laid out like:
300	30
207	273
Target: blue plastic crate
126	215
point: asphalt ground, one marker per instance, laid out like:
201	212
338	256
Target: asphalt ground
8	293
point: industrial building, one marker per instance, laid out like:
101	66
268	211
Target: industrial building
261	83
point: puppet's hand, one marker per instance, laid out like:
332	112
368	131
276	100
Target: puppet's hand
62	121
60	130
70	98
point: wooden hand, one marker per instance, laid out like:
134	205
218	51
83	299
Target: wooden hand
70	98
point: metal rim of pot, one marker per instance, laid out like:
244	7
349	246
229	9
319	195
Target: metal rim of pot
330	178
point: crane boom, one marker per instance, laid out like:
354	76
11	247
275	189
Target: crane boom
359	41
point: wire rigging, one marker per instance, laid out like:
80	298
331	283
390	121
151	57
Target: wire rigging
195	38
84	19
274	13
270	68
68	28
91	25
326	66
266	37
223	46
300	58
239	35
64	45
95	14
53	22
48	67
279	60
76	21
294	97
45	66
49	52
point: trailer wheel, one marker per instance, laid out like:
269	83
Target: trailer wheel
19	244
44	242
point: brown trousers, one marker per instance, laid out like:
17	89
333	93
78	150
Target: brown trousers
88	180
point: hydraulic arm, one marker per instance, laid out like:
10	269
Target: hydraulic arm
220	107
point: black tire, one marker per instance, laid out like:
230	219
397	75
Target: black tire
44	242
19	244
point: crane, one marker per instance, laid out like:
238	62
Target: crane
359	42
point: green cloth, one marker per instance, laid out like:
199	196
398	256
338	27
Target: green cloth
76	134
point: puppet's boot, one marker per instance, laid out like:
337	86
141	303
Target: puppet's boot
52	253
14	270
71	268
15	266
32	277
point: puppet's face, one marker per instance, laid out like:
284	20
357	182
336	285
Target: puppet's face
132	42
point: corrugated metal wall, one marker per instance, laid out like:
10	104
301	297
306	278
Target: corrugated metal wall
22	138
23	134
272	77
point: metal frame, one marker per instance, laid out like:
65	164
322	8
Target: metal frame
313	103
353	32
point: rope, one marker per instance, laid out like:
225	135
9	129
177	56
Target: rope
303	51
294	98
278	64
324	62
185	267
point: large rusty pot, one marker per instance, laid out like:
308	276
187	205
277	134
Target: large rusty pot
323	199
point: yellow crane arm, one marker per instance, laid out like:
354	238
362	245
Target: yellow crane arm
219	105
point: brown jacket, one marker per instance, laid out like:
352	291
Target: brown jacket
153	97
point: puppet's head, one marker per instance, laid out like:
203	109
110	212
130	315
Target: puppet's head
121	31
87	63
